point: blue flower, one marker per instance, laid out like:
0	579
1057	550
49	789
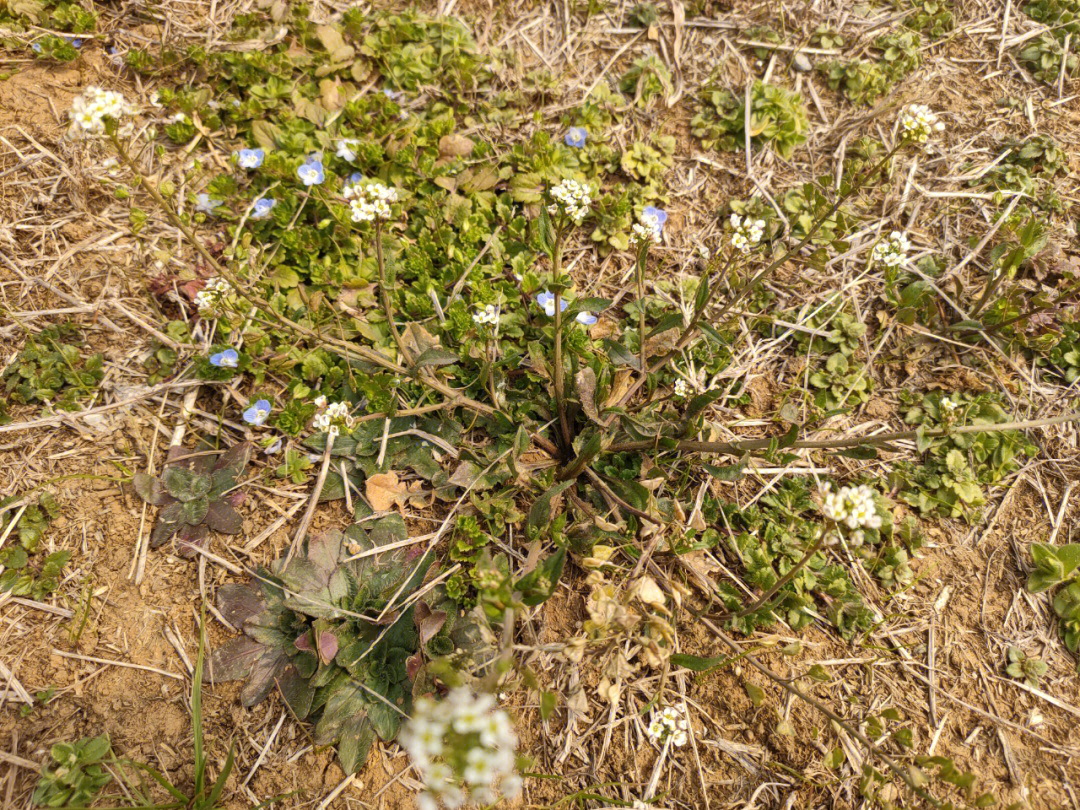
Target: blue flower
257	413
547	301
586	318
226	359
576	136
262	208
205	203
391	94
76	43
250	158
659	215
311	172
36	47
355	178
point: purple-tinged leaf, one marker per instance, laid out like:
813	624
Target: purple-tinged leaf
238	603
221	517
265	671
328	646
233	660
296	691
151	489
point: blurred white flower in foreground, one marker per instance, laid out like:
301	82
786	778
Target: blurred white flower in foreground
464	749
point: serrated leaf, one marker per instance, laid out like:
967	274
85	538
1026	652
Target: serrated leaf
538	585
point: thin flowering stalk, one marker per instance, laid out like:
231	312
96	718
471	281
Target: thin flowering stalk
384	296
560	394
756	280
639	272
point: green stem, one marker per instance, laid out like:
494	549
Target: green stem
384	296
560	394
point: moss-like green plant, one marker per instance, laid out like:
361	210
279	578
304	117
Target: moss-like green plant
197	493
777	118
329	630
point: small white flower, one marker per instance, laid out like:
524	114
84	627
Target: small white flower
487	315
90	110
918	123
746	233
854	507
682	389
669	723
949	404
571	199
891	252
214	297
346	149
370	202
332	418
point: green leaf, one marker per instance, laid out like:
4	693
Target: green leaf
539	584
540	513
150	489
589	450
184	484
697	663
436	356
545	234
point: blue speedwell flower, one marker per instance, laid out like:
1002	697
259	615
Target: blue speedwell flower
311	172
226	359
76	43
586	318
257	413
547	301
250	158
576	137
653	213
205	203
262	208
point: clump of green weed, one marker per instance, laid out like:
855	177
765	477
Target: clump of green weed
1057	567
24	573
76	776
957	466
777	118
1024	667
933	18
1045	55
864	81
51	370
647	78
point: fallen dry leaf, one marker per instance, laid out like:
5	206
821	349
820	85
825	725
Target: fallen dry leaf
385	491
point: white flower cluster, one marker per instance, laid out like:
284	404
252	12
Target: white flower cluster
213	297
746	232
669	723
919	123
572	199
648	228
370	202
949	404
332	417
891	252
463	746
682	389
489	314
89	111
853	507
